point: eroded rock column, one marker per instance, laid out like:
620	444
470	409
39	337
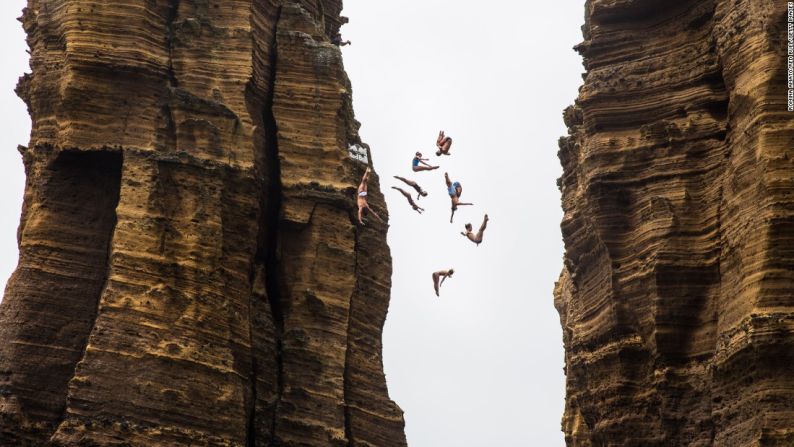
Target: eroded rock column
190	271
677	199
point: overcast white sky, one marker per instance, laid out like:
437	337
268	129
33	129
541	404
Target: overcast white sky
482	366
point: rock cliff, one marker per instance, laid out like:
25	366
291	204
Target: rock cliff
676	297
190	272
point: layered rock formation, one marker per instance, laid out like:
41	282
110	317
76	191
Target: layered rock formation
190	273
677	295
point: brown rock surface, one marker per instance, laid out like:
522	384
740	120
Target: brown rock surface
190	272
677	295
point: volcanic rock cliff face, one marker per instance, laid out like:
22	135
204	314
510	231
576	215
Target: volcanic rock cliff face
677	296
190	273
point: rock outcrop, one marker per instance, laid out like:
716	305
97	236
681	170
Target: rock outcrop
190	272
677	295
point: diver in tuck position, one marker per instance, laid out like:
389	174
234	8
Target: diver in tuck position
444	143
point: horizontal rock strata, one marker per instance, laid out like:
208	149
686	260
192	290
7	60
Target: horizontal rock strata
678	193
190	272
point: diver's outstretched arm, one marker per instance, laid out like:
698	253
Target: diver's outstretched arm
403	192
410	183
364	180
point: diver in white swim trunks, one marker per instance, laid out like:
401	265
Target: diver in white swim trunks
361	199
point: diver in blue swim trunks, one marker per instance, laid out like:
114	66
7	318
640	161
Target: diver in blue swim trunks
419	161
455	190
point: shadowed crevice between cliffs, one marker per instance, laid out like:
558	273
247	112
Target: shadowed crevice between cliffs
347	378
273	286
266	308
173	12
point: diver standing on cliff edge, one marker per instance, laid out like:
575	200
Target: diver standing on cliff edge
337	40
